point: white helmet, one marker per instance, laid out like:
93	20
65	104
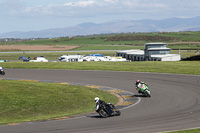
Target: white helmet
96	99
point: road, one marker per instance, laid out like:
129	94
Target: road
174	105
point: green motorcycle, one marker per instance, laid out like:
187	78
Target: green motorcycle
144	90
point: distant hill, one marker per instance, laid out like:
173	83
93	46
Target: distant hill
148	25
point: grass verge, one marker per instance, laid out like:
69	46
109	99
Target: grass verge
187	131
30	101
180	67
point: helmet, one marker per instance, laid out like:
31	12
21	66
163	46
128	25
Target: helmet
138	81
96	99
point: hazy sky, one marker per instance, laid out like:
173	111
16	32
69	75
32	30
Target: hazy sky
33	15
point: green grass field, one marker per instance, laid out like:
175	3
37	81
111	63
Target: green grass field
181	67
107	47
182	40
30	101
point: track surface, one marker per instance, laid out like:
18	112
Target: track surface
174	105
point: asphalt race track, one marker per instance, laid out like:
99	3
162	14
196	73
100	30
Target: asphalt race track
174	105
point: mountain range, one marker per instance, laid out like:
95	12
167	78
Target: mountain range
118	26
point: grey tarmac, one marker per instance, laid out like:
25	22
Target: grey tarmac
174	105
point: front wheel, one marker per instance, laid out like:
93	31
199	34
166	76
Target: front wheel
117	113
147	94
103	113
2	72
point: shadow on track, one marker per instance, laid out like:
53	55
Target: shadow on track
97	116
140	96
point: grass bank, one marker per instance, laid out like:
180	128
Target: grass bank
181	67
30	101
187	131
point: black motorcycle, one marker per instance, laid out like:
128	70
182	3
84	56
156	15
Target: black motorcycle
2	72
106	110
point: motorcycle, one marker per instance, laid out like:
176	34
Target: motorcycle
107	110
2	71
144	90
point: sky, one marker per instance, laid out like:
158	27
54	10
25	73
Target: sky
35	15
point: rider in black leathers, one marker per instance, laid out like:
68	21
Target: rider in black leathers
101	102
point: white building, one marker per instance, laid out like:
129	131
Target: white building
152	52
